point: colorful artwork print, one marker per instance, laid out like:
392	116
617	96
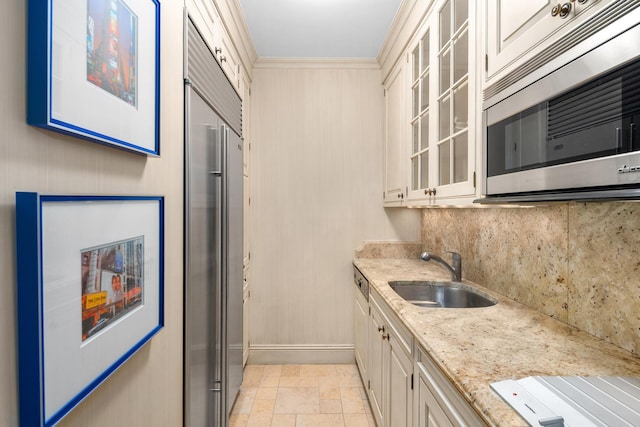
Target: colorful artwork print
112	283
112	30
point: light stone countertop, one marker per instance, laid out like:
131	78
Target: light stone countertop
477	346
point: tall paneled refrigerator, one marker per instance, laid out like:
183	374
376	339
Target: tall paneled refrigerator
213	238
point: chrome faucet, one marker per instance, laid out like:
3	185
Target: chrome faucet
456	270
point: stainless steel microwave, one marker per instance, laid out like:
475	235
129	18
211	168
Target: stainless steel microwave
571	135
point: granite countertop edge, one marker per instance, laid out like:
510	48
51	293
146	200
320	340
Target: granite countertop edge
477	346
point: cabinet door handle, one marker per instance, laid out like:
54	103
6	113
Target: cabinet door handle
381	329
385	336
217	50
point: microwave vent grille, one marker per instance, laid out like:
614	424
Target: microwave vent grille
597	102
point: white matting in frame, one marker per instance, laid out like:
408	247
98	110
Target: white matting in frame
100	292
94	70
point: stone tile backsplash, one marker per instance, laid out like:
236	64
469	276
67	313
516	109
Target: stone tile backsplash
389	250
576	262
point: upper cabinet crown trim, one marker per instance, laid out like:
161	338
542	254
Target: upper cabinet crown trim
410	14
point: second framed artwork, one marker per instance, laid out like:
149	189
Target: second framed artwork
93	70
90	294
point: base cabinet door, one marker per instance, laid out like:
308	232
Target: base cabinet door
430	414
361	332
439	402
400	398
377	367
390	368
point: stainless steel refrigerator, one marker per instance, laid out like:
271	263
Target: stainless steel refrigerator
213	239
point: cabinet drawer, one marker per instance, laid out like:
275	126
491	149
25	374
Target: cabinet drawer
405	338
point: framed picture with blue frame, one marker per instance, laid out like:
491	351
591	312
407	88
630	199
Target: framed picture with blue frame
89	291
93	70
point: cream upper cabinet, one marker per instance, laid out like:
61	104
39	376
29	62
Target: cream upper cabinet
207	19
443	113
517	31
395	134
228	59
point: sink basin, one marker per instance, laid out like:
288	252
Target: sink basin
441	294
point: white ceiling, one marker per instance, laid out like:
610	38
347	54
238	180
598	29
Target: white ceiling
319	28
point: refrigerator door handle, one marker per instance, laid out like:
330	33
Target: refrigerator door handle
217	386
223	155
217	143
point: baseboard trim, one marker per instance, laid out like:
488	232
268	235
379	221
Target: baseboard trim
300	354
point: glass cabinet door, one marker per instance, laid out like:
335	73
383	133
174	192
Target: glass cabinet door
442	108
453	93
420	115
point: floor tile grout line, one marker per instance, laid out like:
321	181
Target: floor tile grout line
321	371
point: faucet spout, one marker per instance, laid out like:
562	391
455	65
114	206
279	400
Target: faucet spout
455	270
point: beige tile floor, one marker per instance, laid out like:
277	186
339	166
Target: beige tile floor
301	396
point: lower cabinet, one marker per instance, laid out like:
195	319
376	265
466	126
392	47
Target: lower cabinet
400	391
404	386
390	367
361	333
377	363
438	402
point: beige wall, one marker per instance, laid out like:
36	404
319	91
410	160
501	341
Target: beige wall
577	262
316	194
146	390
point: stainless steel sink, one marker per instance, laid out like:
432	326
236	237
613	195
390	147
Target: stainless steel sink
441	294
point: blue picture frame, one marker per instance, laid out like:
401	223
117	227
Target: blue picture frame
93	71
57	237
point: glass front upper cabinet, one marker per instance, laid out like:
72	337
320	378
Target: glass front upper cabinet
442	152
453	98
420	115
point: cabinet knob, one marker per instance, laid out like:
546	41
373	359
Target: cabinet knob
555	10
565	9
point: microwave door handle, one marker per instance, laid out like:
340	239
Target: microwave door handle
618	140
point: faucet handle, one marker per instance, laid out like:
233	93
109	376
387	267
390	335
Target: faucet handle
455	255
457	265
